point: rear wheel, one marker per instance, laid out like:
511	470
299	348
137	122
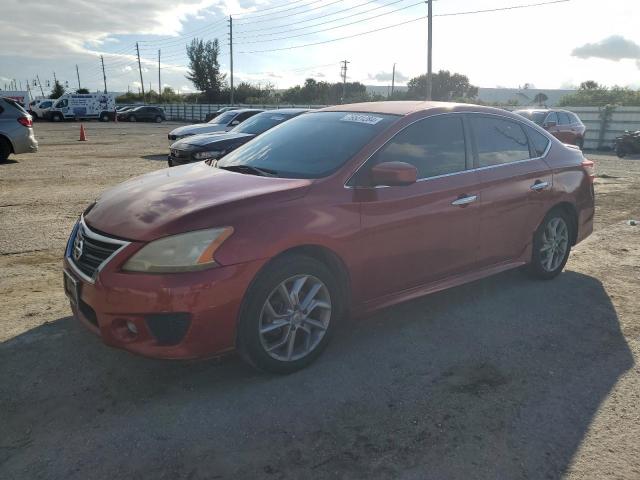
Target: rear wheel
551	245
132	118
5	150
56	117
104	117
158	119
289	314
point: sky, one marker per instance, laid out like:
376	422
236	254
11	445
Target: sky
549	46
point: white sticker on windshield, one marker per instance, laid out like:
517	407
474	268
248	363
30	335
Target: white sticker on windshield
361	118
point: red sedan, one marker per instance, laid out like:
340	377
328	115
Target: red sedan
340	211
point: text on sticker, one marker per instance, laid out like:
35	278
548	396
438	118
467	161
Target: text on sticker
361	118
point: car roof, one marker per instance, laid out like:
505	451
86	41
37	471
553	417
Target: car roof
405	108
287	111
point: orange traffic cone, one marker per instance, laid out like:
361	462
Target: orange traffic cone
83	136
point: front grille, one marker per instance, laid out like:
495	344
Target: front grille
88	252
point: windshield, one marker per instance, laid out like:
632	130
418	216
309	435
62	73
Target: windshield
223	118
533	115
261	122
312	145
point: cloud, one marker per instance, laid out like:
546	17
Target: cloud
387	76
615	48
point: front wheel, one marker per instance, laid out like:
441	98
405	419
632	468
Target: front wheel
551	245
56	117
5	150
288	315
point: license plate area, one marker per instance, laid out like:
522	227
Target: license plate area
71	287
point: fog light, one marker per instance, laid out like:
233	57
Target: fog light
132	327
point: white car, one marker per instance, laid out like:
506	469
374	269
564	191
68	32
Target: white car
39	108
222	123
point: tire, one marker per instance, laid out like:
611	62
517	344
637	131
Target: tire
621	151
158	119
289	270
132	118
541	265
5	150
56	117
104	117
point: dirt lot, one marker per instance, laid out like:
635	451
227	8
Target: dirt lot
505	378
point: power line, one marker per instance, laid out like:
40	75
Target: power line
405	23
320	23
421	2
294	14
279	11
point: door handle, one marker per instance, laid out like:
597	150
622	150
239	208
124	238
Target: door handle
464	200
536	187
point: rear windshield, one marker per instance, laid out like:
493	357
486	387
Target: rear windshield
223	118
261	122
312	145
15	104
535	116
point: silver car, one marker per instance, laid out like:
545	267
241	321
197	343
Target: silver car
16	130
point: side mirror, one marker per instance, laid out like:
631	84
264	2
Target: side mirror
394	174
234	123
550	124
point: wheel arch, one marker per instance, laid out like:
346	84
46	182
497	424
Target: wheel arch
570	210
4	138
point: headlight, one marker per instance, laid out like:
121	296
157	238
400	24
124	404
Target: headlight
185	252
208	154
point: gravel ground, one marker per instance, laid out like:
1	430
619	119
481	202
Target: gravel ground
505	378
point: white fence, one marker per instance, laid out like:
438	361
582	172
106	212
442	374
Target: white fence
603	125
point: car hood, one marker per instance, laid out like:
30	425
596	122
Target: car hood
182	199
203	140
197	129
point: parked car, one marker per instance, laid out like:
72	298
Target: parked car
16	130
39	108
562	124
347	209
212	115
79	106
142	114
627	144
222	123
211	146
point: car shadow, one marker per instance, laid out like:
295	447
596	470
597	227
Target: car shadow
8	161
161	157
500	378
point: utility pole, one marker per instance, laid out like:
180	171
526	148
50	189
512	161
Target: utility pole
393	79
159	84
343	72
429	48
140	68
231	54
78	74
55	80
40	84
104	75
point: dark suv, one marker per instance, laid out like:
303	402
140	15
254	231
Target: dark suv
562	124
141	114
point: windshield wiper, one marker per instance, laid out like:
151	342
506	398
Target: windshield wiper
263	172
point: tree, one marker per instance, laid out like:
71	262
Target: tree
591	94
322	93
540	98
57	91
82	90
591	85
445	87
204	69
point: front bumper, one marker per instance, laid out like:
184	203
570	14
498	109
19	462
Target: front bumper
175	161
175	316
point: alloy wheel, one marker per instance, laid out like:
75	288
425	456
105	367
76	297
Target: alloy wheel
555	242
295	317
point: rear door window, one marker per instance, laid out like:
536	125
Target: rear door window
552	117
563	119
499	140
435	146
539	142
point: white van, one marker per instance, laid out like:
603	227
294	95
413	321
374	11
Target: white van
83	106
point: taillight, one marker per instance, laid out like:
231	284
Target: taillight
590	168
25	121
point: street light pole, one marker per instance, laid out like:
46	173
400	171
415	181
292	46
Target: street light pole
429	49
